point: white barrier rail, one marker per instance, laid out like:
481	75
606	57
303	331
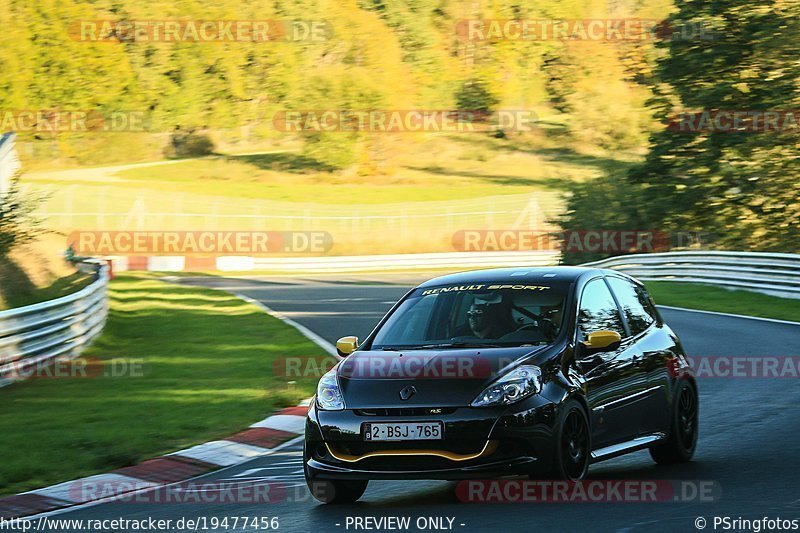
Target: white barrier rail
391	262
353	263
33	336
772	273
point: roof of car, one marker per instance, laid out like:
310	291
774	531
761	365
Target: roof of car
516	275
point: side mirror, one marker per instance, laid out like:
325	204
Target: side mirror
347	345
602	341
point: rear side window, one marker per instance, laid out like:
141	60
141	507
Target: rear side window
634	303
647	302
598	311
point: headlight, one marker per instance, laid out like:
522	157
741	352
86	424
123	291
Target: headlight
329	396
514	386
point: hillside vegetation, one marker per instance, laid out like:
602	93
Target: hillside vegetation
590	98
382	54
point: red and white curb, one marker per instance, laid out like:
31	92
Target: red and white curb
258	440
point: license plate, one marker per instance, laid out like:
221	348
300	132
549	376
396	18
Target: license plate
403	431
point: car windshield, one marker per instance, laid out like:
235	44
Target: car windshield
474	315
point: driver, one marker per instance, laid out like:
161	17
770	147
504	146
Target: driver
488	316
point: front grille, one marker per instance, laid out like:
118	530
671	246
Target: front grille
406	411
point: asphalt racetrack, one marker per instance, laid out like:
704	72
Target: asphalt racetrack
747	450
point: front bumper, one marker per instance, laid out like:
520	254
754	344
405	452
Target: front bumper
521	465
478	442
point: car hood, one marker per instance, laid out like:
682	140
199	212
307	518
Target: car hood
446	378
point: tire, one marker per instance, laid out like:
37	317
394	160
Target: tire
333	491
680	445
573	446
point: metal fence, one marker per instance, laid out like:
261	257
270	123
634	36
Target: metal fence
772	273
81	201
32	337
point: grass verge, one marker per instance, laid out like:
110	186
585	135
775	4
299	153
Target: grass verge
711	298
206	361
427	190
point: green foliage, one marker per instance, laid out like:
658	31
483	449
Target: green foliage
383	54
589	82
184	145
18	225
606	203
741	186
474	95
331	150
561	77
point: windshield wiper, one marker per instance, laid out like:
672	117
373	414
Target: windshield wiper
439	345
456	344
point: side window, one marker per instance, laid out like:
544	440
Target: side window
634	304
598	310
647	302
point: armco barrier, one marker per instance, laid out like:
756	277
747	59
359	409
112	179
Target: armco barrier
399	262
771	273
36	334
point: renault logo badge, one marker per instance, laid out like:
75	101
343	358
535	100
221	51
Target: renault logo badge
407	392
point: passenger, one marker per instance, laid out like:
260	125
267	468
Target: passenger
489	316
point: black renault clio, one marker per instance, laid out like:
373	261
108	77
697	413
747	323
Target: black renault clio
531	371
